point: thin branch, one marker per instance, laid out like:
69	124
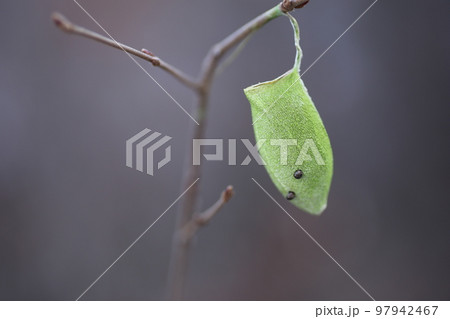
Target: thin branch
217	51
202	219
233	55
211	61
64	24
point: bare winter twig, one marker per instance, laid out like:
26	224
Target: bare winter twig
64	24
188	223
202	219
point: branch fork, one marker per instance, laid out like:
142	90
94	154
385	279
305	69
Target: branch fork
199	220
188	222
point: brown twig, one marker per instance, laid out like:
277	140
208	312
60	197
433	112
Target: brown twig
217	51
289	5
188	223
202	219
64	24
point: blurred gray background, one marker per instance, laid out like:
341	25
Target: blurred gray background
69	206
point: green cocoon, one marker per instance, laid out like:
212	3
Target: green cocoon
283	114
